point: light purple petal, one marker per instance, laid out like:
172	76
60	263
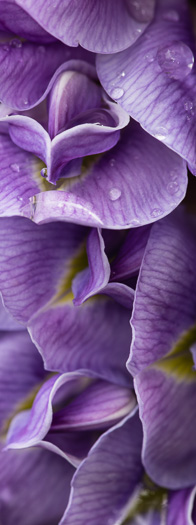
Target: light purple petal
28	71
157	84
95	25
135	183
163	323
121	293
7	322
72	94
17	177
165	299
95	337
34	487
21	370
108	475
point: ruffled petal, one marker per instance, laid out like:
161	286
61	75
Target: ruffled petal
95	25
109	474
157	82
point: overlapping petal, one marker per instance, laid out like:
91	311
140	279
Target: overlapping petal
95	25
28	71
15	20
164	331
34	487
135	183
180	507
109	474
154	80
21	370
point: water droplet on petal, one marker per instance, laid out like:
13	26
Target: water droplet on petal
156	212
171	15
44	173
141	10
15	167
176	60
25	101
6	47
135	222
160	133
189	108
114	194
112	162
173	187
16	42
150	56
117	93
41	49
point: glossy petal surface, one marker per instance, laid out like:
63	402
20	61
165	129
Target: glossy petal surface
157	84
137	182
95	25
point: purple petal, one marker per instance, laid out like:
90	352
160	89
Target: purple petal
97	26
121	293
96	276
28	71
17	21
180	507
7	322
34	487
21	369
41	255
137	182
165	299
17	177
129	257
109	474
157	86
68	98
95	337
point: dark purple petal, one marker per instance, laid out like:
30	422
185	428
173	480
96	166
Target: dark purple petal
180	507
135	183
27	71
96	276
157	84
121	293
108	475
34	487
129	257
21	370
95	25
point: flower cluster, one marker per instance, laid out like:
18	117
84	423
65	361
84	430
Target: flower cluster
97	263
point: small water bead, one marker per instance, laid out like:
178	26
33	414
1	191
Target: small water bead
156	212
112	162
150	56
41	49
16	43
176	60
114	194
117	93
6	47
141	10
44	173
15	167
173	187
135	222
171	15
161	133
